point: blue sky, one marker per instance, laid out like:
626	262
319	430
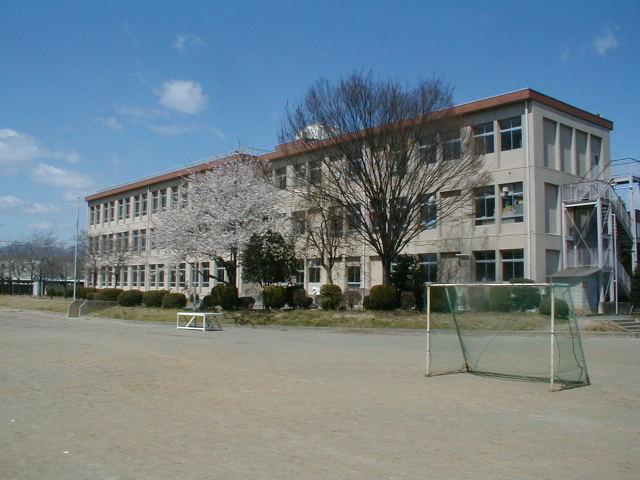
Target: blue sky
95	93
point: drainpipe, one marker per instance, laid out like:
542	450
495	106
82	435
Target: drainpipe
528	190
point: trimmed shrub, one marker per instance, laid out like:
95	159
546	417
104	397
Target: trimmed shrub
246	303
525	298
82	292
274	296
382	297
90	295
500	299
330	296
301	299
407	300
224	295
439	301
108	294
208	303
174	300
477	299
561	307
352	298
153	298
130	298
290	290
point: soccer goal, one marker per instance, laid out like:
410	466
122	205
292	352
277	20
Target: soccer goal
523	331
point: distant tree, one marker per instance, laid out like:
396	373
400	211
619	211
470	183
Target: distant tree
268	258
386	151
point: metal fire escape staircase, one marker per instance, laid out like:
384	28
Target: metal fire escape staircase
591	212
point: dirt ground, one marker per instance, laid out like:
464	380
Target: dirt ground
95	398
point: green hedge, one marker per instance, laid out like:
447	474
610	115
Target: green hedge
130	298
153	298
224	295
174	300
561	307
330	296
300	298
82	292
439	302
246	303
381	297
108	294
274	296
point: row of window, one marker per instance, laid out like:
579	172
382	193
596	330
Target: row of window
160	275
567	149
160	200
135	241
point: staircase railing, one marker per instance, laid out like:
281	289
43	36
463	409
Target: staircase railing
624	280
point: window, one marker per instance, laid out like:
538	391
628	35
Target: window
174	196
280	177
127	207
315	269
136	205
355	167
485	262
119	245
451	146
354	273
144	203
336	221
105	212
428	263
121	209
125	241
220	271
182	278
112	211
152	275
566	139
315	172
401	211
299	174
152	238
353	218
172	276
155	201
581	153
184	195
193	268
136	240
483	138
299	273
511	133
160	275
512	202
297	223
141	275
429	212
134	276
428	150
550	208
549	131
143	240
512	264
485	199
125	276
92	215
163	199
596	145
204	267
400	164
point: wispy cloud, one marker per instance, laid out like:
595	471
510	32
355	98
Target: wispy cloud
110	122
17	150
140	113
15	204
129	34
184	96
61	178
45	225
607	41
187	40
180	129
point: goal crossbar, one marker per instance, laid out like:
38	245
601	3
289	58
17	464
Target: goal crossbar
466	318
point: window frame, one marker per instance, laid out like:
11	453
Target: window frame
510	131
487	198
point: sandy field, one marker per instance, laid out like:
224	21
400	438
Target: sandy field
96	398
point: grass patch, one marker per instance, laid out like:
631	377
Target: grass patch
24	302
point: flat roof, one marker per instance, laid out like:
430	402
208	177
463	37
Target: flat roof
290	149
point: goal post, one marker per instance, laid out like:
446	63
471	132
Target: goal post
523	331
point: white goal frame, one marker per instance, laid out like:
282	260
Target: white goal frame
208	321
552	329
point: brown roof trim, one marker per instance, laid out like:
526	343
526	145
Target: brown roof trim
290	149
166	176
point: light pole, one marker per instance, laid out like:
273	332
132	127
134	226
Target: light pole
75	253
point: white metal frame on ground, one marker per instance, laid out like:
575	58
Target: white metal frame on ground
552	330
209	321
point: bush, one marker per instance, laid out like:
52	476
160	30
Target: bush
208	303
246	303
301	299
439	301
352	298
274	296
130	298
408	300
561	307
224	295
174	300
290	290
381	297
90	295
153	298
330	296
525	298
477	299
82	292
500	299
108	294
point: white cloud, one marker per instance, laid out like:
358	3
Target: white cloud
186	40
140	113
174	129
15	204
61	178
607	41
18	149
73	157
184	96
110	122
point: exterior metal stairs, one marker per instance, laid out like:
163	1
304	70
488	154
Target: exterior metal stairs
627	323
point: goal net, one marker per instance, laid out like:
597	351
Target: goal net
521	330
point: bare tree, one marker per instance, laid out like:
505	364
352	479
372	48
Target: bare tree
387	153
116	256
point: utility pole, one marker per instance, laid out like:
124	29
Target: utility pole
75	254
